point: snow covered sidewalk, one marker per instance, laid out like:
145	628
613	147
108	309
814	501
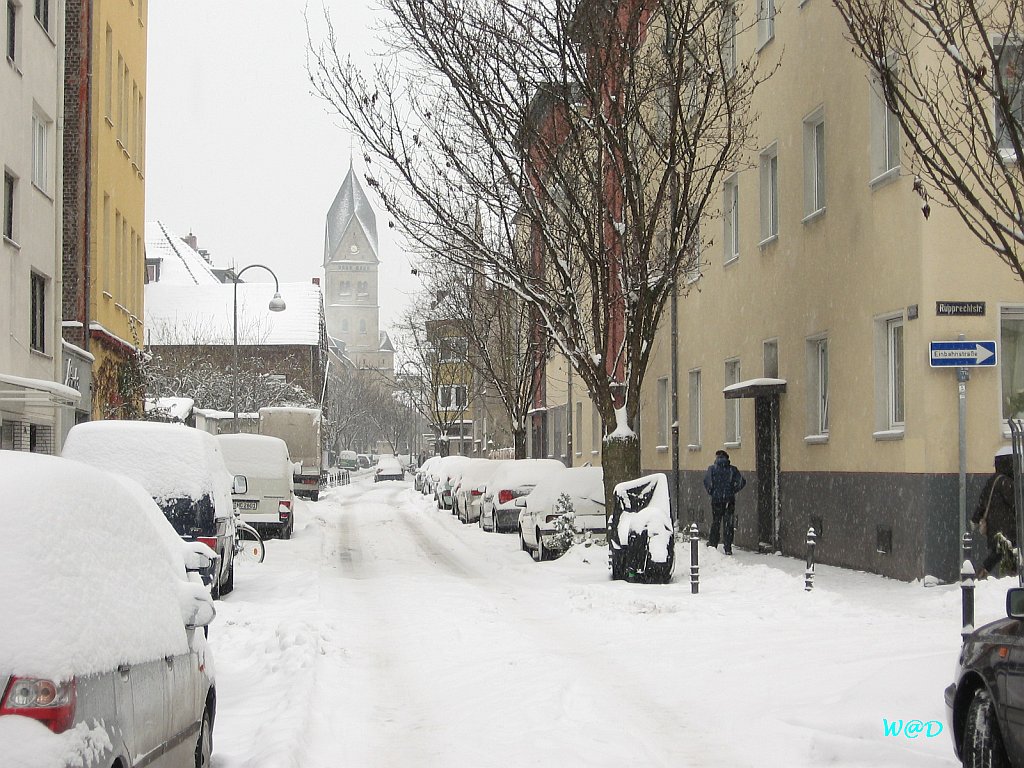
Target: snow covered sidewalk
386	633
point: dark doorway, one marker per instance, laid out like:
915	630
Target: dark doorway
766	453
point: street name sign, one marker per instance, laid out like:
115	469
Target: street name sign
962	354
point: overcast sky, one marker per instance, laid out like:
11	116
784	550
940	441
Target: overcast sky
238	150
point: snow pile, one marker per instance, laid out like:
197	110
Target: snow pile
655	517
174	408
168	460
30	744
96	586
255	455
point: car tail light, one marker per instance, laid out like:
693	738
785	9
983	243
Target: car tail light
210	541
284	511
551	518
475	492
53	704
505	496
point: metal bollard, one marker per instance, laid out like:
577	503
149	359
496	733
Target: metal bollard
694	567
812	538
967	589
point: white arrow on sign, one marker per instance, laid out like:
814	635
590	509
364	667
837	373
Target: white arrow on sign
962	353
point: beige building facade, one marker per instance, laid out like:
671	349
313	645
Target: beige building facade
821	290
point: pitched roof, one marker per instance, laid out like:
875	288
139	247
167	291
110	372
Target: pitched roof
385	342
180	264
350	204
201	314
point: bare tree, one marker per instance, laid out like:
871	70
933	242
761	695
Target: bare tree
951	74
593	138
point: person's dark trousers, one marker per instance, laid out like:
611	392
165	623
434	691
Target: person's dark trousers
723	515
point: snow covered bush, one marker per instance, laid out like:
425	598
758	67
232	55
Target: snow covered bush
565	523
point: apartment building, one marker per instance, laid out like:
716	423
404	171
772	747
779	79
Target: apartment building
104	183
33	394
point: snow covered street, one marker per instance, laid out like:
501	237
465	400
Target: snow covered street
386	633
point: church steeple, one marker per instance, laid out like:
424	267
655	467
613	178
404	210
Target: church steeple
351	205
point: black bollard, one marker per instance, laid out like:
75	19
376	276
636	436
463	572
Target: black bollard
694	567
967	589
812	537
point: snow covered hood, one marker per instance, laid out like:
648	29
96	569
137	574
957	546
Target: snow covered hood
577	482
91	580
525	472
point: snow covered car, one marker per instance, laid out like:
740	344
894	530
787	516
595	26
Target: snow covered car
267	502
641	542
420	479
585	488
985	702
103	659
348	460
516	478
183	470
469	493
388	468
447	468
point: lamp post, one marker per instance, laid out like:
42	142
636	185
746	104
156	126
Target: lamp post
276	305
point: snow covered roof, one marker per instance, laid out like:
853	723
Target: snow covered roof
201	314
180	264
755	387
50	391
351	203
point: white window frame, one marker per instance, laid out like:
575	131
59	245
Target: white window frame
817	389
733	432
896	369
731	218
885	133
769	177
765	346
729	26
9	216
815	165
42	14
577	429
12	17
1011	364
1015	93
38	289
595	431
695	414
765	22
41	152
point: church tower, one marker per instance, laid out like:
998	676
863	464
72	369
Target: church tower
351	261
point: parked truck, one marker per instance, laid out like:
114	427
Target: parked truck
300	429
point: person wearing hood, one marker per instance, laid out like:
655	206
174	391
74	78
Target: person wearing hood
723	481
995	516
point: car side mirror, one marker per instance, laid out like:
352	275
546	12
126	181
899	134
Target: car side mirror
1015	603
198	556
240	484
197	609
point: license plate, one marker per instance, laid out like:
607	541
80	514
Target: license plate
249	506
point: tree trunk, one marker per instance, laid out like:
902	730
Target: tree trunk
443	447
519	440
620	458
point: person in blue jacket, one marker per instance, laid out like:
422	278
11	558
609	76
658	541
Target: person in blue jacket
723	481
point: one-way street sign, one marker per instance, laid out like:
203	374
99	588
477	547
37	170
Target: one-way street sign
962	354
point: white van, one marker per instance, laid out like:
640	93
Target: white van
268	501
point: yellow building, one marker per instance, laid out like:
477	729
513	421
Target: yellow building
105	139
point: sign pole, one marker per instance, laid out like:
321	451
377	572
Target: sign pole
963	375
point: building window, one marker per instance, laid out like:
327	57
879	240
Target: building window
663	411
894	344
769	193
10	185
12	32
765	22
37	339
1011	367
152	271
108	75
362	327
40	151
120	97
695	414
595	430
43	13
817	363
1009	120
771	359
453	349
731	215
885	132
729	37
732	405
556	450
344	325
814	163
453	396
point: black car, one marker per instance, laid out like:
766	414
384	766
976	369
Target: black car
985	703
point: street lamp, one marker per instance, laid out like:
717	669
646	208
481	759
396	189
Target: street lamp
276	305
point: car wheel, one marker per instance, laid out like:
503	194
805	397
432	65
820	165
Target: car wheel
229	582
618	562
542	553
522	540
204	746
315	496
982	746
215	587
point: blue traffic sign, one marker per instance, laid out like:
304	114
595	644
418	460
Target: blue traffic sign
962	354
